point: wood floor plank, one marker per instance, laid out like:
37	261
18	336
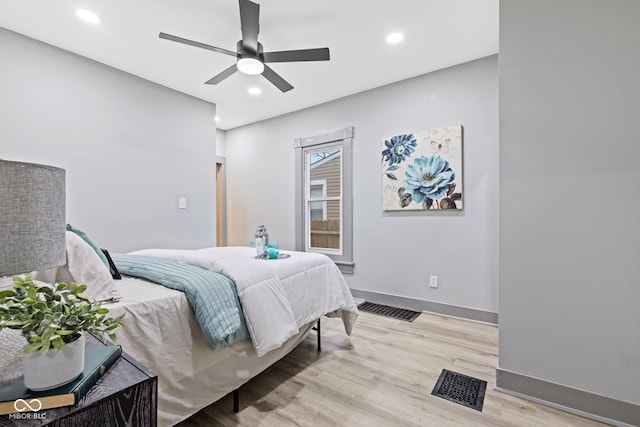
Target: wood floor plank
382	375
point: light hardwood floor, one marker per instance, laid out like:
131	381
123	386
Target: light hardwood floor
382	375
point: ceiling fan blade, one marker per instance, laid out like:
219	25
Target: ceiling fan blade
275	78
320	54
223	75
249	22
196	44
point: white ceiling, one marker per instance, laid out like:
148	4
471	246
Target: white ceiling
438	34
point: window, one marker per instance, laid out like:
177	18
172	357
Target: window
323	199
323	196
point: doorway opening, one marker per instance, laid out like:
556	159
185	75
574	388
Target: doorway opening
221	208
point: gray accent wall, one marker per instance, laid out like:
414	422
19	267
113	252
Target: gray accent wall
570	196
130	147
394	252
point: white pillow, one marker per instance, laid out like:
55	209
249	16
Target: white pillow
83	267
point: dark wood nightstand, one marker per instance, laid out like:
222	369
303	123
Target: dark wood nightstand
125	395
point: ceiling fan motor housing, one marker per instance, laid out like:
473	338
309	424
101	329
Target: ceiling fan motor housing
248	53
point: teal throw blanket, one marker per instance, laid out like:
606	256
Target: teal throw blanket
212	296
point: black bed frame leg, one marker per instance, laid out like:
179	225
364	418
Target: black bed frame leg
236	401
236	392
318	330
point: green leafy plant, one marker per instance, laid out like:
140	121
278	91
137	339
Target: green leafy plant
49	316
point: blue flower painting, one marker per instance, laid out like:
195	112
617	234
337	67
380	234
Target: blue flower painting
428	178
417	173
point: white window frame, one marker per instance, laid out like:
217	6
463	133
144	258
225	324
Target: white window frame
342	139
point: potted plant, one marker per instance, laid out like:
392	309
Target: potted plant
52	318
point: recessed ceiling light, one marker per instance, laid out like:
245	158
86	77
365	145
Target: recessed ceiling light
216	118
88	16
255	90
394	38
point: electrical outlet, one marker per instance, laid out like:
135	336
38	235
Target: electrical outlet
433	281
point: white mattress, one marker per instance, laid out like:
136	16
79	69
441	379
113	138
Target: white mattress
162	333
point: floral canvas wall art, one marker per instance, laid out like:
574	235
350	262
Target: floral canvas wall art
423	170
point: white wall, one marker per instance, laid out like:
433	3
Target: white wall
130	147
220	142
394	252
570	194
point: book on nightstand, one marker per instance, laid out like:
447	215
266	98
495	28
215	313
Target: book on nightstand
17	398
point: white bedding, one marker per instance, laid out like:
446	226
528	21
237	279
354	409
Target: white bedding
162	333
278	296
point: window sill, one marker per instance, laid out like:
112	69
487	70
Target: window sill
345	267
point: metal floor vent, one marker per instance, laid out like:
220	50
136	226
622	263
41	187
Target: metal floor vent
388	311
458	388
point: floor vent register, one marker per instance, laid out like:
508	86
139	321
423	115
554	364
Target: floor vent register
462	389
388	311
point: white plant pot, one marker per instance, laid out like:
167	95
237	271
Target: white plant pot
55	367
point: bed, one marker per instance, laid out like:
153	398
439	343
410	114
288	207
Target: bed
281	301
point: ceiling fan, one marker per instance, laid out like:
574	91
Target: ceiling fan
250	57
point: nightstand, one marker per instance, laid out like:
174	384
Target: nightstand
125	395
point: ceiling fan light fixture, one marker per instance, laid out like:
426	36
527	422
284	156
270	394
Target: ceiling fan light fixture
250	66
250	56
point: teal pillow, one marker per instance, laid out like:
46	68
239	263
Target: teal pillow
90	242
